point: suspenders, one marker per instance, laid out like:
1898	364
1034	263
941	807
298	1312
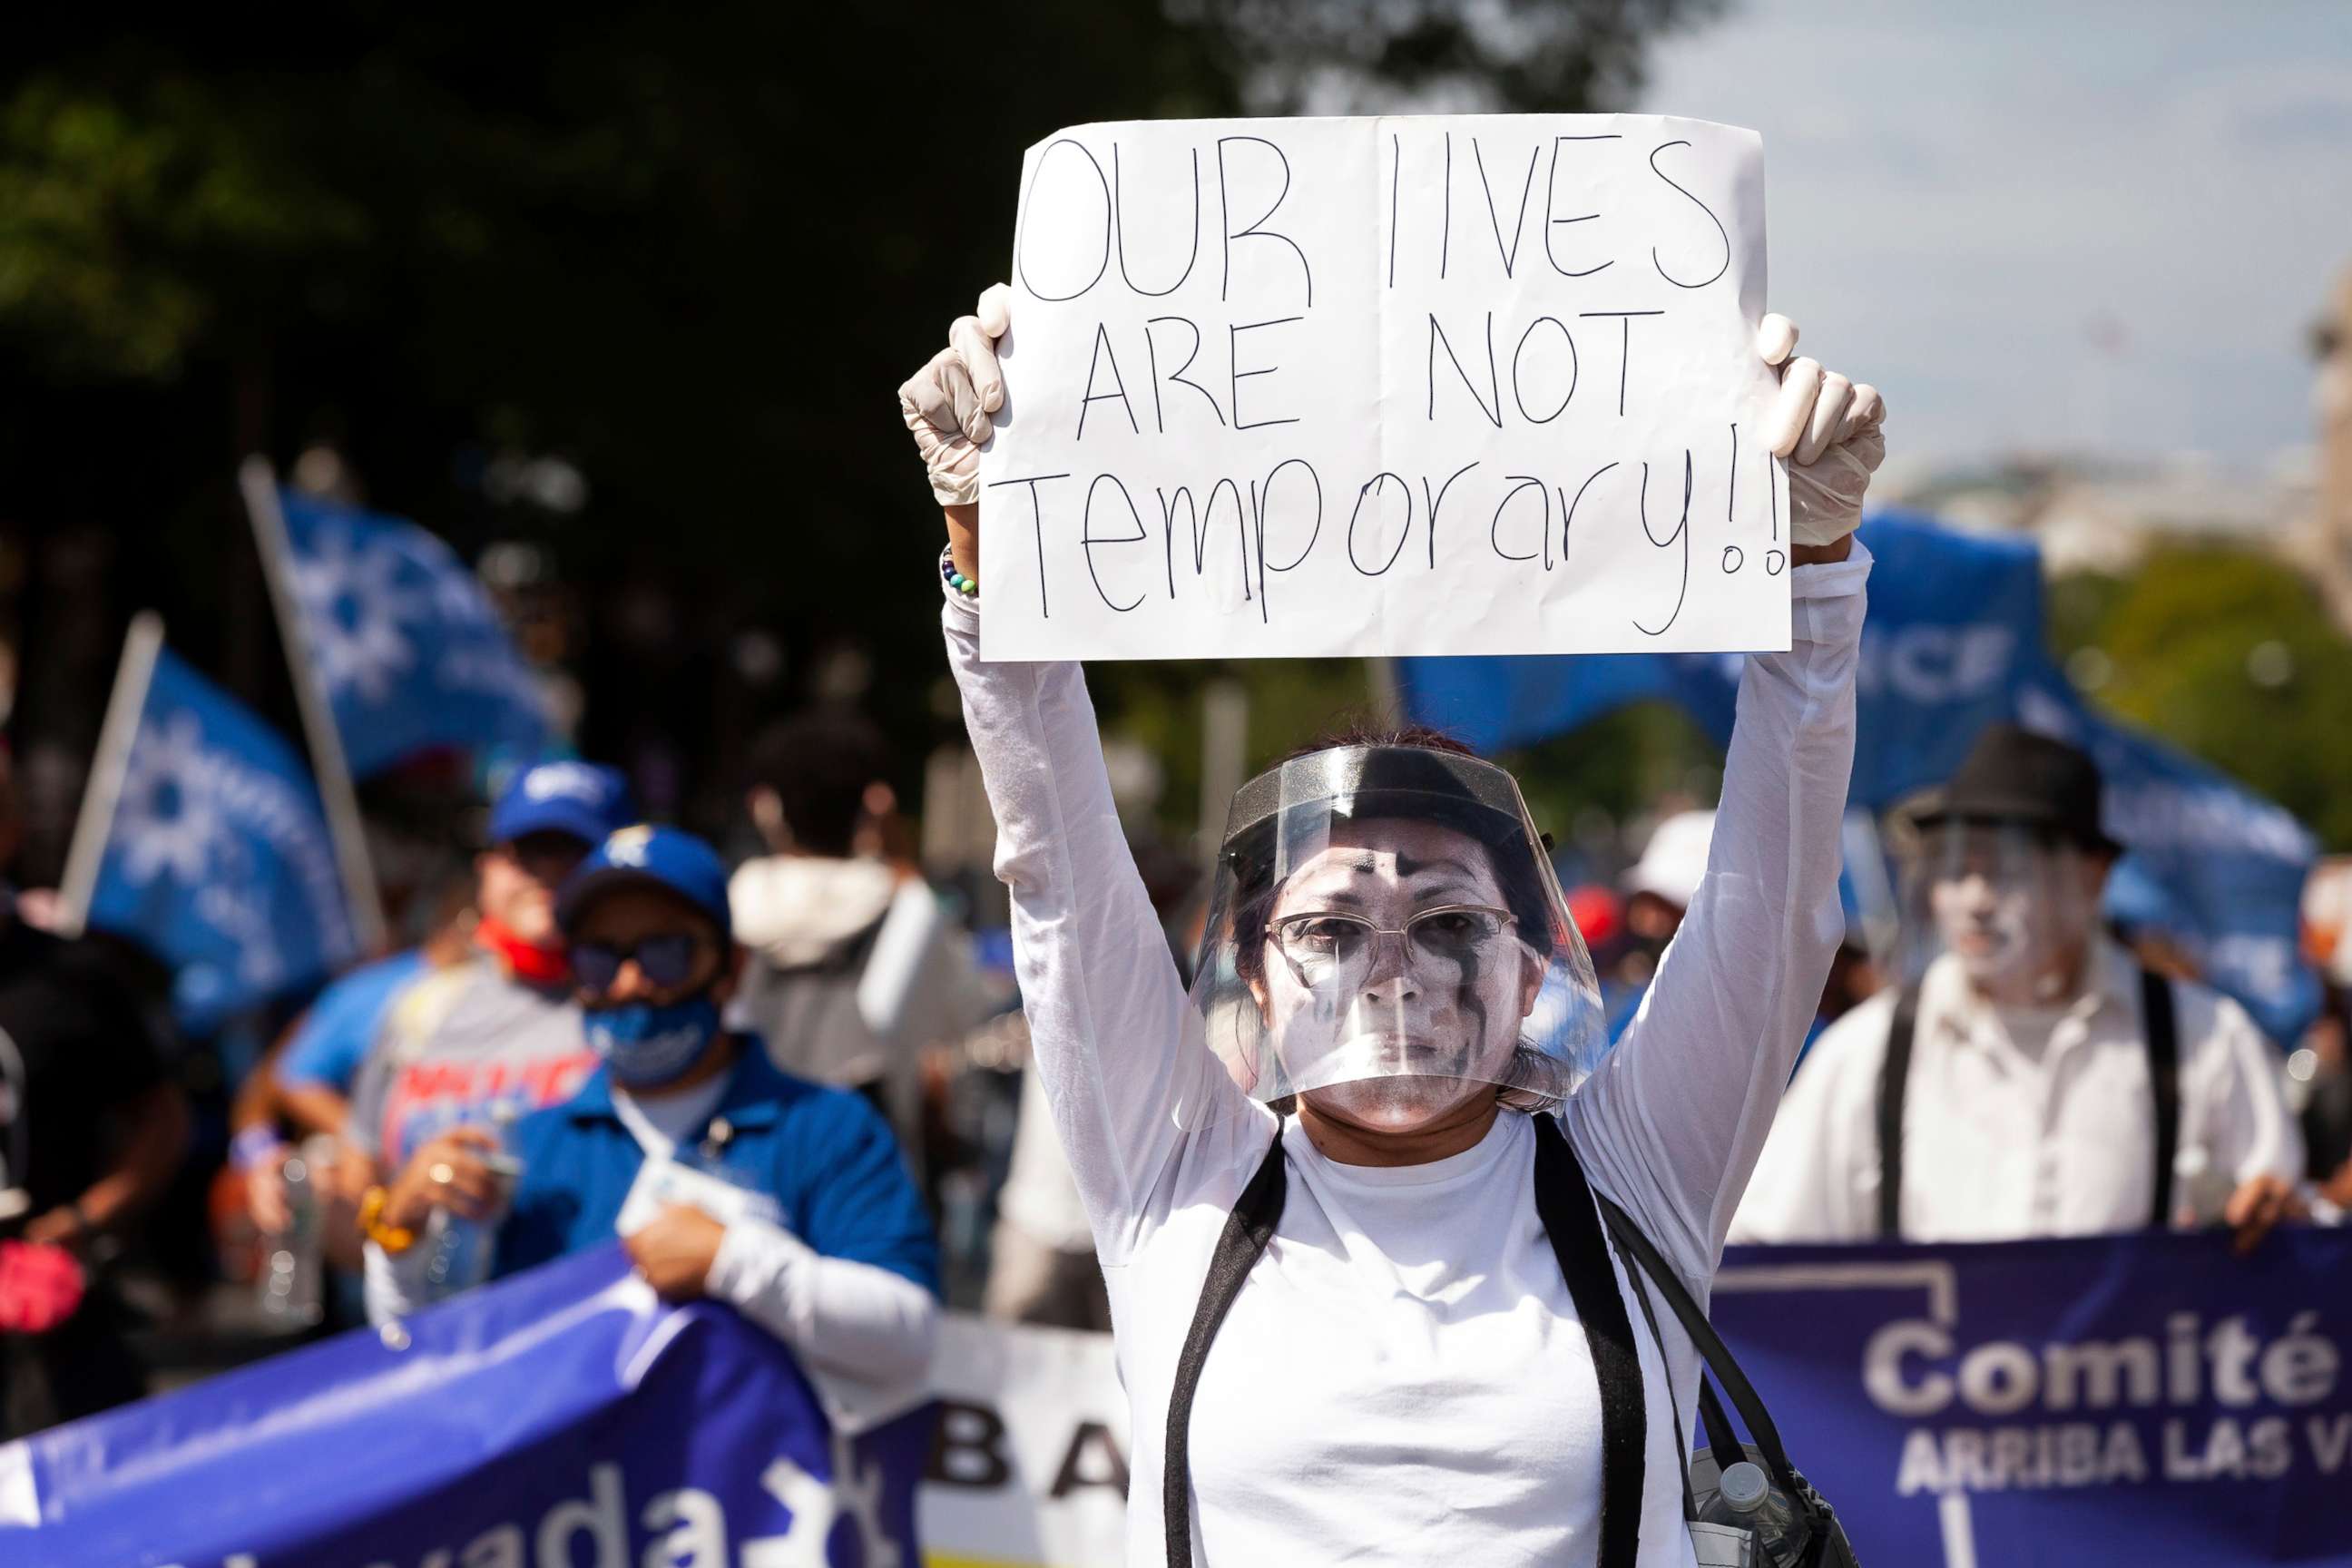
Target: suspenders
2158	1022
2164	1073
1565	1204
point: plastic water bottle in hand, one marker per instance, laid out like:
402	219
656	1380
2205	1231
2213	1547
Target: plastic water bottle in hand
459	1250
289	1283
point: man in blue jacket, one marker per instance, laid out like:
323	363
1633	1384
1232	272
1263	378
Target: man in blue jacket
726	1177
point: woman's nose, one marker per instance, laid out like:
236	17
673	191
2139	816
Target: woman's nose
1391	966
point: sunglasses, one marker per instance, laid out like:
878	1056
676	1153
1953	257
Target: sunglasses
666	962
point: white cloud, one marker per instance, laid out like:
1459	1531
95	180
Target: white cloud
1967	205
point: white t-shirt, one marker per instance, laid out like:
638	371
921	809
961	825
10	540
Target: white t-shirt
658	1121
1404	1378
1363	1348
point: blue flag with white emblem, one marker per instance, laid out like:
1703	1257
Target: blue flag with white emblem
404	640
216	855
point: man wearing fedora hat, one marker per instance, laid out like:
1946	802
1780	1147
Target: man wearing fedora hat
2035	1080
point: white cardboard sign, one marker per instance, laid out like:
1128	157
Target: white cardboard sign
1433	385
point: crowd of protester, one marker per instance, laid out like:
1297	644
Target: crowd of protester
774	1081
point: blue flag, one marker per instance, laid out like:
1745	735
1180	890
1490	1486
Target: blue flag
564	1416
217	857
404	640
1953	643
1955	631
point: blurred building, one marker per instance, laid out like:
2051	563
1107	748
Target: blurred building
2332	400
2103	515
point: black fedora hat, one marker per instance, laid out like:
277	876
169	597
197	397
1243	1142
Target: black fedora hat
2013	776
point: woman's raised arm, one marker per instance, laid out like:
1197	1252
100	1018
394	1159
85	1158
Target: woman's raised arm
1121	1054
1678	1114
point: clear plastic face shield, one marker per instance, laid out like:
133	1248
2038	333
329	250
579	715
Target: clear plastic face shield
2017	909
1386	937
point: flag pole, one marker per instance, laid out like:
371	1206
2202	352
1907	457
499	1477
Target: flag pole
343	803
95	823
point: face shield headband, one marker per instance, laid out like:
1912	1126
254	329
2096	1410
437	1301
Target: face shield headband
1386	917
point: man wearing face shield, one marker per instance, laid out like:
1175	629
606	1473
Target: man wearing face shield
2035	1080
1345	1318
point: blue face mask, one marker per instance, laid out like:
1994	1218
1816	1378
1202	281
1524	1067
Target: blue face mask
648	1045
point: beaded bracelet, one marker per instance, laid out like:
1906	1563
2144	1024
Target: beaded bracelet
254	1145
394	1239
968	586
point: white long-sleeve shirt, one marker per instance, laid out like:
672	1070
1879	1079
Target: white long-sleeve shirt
2009	1133
1404	1379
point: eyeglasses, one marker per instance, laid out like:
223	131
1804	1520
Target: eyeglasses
666	962
1327	946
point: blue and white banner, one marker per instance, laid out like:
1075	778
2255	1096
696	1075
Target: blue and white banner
2139	1399
561	1419
216	855
404	639
2142	1399
1953	643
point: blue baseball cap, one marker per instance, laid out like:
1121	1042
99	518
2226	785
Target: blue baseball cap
588	802
650	856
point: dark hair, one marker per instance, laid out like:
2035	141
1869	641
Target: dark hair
1257	887
1363	732
819	764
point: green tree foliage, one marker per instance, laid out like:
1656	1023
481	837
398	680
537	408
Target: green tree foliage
2230	655
1413	55
690	249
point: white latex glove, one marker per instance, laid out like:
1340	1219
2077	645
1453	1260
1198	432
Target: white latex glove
947	404
1827	427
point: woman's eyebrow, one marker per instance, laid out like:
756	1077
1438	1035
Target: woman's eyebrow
1369	865
1407	866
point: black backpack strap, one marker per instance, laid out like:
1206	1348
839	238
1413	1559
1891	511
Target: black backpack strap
1243	1242
1722	1439
2163	1030
1682	1449
1710	1346
1565	1204
1893	1083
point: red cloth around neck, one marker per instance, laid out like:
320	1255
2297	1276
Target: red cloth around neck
528	961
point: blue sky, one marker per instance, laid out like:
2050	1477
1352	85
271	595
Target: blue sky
2082	227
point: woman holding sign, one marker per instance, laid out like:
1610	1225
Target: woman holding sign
1337	1161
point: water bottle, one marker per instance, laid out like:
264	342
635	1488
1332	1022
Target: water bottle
2200	1188
457	1250
1745	1499
289	1283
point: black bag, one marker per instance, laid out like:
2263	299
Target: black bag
1824	1544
